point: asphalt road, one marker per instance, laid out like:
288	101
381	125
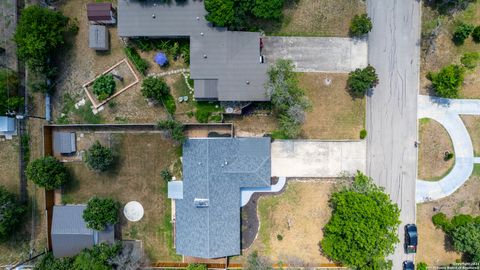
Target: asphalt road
392	106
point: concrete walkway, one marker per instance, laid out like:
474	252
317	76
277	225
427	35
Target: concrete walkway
296	158
447	112
247	193
318	54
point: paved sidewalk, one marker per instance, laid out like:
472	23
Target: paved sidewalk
446	112
318	54
296	158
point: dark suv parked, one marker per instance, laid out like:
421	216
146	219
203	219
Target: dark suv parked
411	238
408	265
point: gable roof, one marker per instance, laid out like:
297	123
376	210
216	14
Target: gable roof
70	234
214	171
99	11
98	37
224	64
64	142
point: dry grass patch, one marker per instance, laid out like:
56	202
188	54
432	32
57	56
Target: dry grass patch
434	142
335	114
317	18
434	247
9	160
141	158
297	217
472	123
446	52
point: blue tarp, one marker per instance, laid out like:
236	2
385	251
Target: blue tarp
161	59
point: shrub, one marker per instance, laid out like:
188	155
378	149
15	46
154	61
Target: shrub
98	157
196	266
104	86
47	172
155	88
440	221
461	220
363	134
476	34
9	101
202	116
166	175
448	156
279	237
169	103
447	81
268	9
175	128
98	257
11	213
462	32
360	25
361	80
422	266
470	60
140	63
100	213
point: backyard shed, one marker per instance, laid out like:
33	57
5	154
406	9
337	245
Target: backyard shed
7	124
64	142
98	37
102	13
70	234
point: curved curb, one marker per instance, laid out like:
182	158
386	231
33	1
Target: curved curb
446	112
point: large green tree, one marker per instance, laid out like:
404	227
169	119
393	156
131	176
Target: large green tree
11	212
40	33
363	228
99	158
466	239
9	101
47	172
155	88
361	80
100	212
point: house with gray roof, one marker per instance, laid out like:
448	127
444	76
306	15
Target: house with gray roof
207	213
70	234
225	65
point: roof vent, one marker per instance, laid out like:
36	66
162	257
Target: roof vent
153	16
201	203
198	18
205	56
248	82
201	34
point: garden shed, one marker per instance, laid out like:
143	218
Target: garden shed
64	142
98	37
101	13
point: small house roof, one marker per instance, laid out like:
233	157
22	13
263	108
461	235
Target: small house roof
64	142
98	37
99	11
7	124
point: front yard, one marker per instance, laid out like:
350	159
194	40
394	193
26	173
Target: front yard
436	248
291	223
434	143
316	18
136	177
441	51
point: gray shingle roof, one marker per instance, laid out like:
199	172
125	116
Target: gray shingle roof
214	171
70	234
231	58
98	37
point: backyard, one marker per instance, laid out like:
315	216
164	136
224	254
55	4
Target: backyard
441	51
316	18
291	223
136	176
434	143
438	250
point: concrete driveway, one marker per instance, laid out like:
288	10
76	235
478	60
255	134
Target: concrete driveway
318	54
296	158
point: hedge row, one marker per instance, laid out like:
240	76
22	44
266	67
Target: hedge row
138	61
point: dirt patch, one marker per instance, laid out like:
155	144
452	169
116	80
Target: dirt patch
444	52
434	142
317	18
255	124
472	123
291	223
335	114
141	158
434	247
